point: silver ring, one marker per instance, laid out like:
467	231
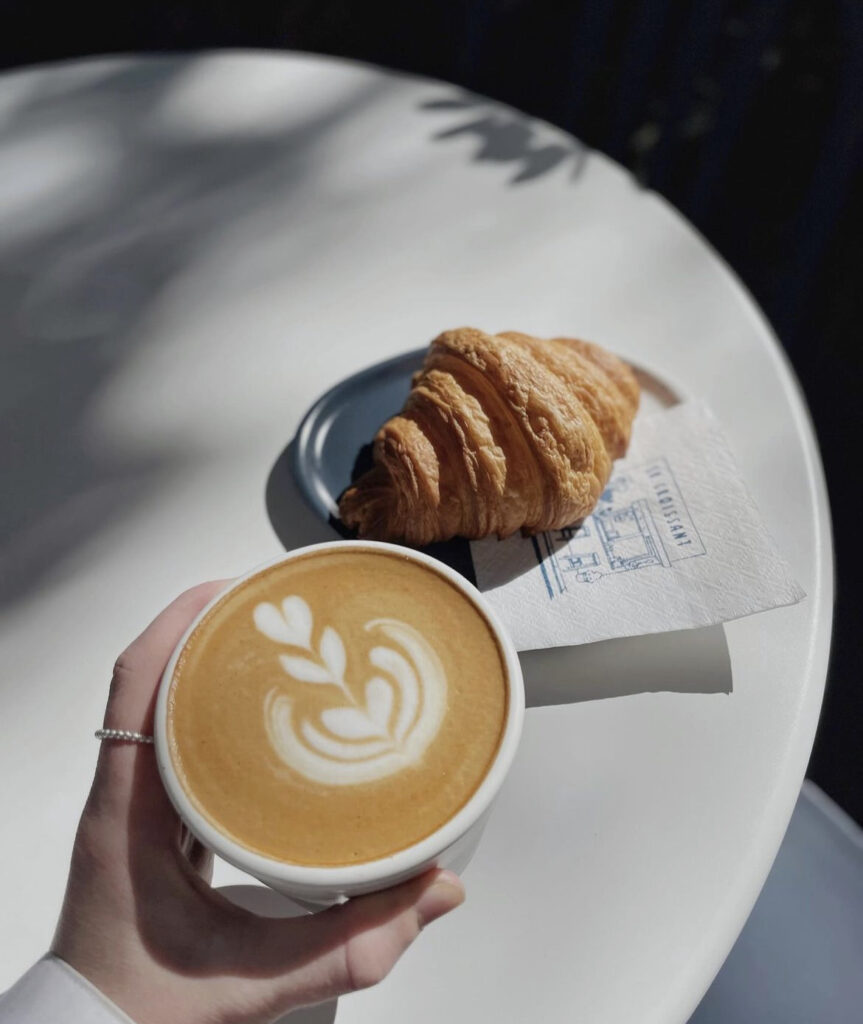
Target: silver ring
123	735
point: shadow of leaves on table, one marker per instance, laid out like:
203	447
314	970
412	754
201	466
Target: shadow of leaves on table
105	203
509	137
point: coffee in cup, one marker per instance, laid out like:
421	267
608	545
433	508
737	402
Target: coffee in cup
338	707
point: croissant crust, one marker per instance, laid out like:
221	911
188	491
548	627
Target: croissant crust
499	433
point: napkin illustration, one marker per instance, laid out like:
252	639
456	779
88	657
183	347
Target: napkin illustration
675	542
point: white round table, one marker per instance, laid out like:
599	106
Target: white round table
191	251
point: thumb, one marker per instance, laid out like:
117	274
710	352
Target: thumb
356	944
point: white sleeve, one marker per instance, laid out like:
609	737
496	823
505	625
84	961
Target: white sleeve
53	991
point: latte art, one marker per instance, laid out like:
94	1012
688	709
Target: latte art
381	727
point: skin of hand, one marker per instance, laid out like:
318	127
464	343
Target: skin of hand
142	923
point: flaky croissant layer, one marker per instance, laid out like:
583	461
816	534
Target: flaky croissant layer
500	432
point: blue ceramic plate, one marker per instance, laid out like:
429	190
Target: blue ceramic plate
341	422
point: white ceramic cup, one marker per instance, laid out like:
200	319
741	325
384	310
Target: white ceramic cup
451	846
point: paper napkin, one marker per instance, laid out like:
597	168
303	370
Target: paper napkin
675	542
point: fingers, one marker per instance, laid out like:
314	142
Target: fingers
139	668
361	940
356	944
126	786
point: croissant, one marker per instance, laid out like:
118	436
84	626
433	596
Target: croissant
500	432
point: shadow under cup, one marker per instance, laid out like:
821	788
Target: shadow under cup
450	846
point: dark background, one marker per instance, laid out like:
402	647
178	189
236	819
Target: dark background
746	115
